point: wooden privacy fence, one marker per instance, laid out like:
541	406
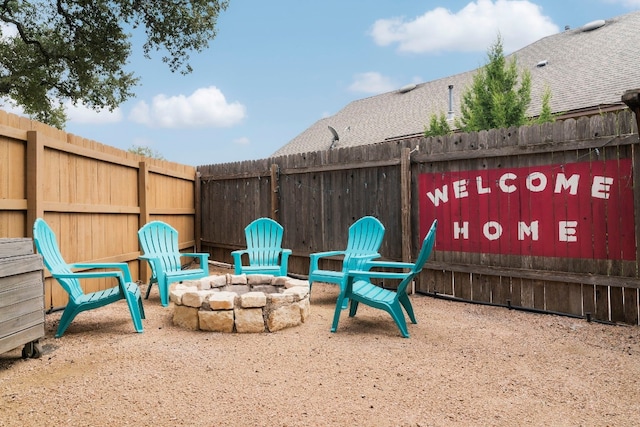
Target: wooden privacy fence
541	217
95	197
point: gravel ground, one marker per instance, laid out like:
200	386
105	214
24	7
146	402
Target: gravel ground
463	365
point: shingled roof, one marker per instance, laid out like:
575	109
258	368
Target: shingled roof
587	69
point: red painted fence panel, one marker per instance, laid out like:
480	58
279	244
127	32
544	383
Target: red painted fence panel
576	210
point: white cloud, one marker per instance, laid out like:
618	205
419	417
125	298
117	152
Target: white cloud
140	113
627	3
80	113
242	141
372	82
473	28
206	107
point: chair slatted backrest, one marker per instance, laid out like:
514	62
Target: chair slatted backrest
365	237
264	241
423	256
47	246
160	240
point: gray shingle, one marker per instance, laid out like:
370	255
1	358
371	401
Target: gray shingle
585	69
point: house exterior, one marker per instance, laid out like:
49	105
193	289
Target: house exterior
587	70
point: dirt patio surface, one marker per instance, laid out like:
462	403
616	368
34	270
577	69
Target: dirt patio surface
464	365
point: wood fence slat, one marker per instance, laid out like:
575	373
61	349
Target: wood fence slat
461	284
516	291
588	299
481	288
324	192
602	303
617	304
95	197
501	291
87	192
539	288
631	306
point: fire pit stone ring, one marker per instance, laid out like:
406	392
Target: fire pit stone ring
240	303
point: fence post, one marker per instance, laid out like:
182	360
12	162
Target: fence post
631	97
143	201
405	195
35	171
275	192
405	191
197	230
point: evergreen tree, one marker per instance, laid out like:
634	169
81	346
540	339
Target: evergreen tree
438	125
494	100
546	116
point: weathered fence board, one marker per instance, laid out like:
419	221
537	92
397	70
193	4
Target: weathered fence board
321	194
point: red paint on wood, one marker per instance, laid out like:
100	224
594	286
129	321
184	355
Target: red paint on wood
577	210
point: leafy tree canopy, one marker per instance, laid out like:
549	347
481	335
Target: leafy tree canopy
143	150
494	99
56	50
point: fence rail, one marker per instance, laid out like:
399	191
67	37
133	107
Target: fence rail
95	197
494	193
317	196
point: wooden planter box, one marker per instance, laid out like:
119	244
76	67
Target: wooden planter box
21	297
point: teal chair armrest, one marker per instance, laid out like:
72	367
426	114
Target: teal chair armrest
318	255
367	272
315	257
239	252
122	266
91	275
202	257
154	262
237	259
284	263
388	264
377	274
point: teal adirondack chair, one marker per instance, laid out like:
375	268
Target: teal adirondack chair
365	238
264	250
159	242
47	246
359	288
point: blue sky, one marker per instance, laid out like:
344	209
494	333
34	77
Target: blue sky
276	67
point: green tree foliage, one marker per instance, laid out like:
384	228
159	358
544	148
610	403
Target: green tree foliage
494	100
438	125
76	50
546	116
143	150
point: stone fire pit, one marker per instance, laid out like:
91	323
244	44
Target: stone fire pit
240	303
